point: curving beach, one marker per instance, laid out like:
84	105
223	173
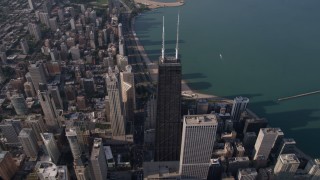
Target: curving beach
154	4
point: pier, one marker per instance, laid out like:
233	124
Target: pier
299	95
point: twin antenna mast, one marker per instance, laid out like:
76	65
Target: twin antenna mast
163	36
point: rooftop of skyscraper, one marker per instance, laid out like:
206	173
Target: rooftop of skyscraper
272	131
200	119
25	132
96	148
289	158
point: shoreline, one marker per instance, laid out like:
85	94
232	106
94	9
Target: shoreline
155	4
185	88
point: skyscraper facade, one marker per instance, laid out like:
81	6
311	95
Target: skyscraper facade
19	104
51	146
10	129
24	46
313	169
44	19
98	160
31	4
265	141
128	92
286	166
8	166
239	106
29	142
198	138
54	90
36	123
37	73
73	142
48	107
116	107
34	30
168	123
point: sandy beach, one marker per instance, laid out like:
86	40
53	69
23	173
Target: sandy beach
154	4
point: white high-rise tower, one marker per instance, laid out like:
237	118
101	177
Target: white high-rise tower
198	137
265	141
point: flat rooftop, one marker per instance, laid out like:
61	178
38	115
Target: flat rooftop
205	119
96	148
163	169
272	131
289	159
248	171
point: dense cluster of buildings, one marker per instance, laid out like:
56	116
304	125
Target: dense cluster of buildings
69	109
72	90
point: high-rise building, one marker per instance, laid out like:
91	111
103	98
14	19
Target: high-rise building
286	166
44	19
287	146
61	14
118	124
72	23
89	86
53	24
48	107
254	125
24	45
36	123
19	104
249	140
34	30
313	169
49	171
38	74
53	67
81	103
75	52
107	108
198	138
265	141
239	106
202	106
8	167
29	142
168	123
3	57
31	4
75	147
51	146
151	109
98	160
121	46
247	174
236	163
128	92
81	169
70	91
105	36
29	89
54	90
10	129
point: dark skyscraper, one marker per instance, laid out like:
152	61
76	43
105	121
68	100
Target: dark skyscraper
168	121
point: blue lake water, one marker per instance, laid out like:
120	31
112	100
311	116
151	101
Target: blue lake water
270	49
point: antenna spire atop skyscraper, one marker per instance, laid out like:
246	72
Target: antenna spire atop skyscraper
162	50
177	45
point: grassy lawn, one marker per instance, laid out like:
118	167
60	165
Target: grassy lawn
102	1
